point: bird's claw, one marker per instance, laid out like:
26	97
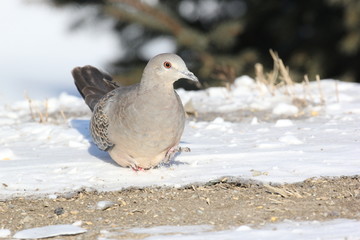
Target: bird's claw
183	149
172	151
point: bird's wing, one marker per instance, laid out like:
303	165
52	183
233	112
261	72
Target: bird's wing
99	124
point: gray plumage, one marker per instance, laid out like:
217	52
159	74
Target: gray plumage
139	125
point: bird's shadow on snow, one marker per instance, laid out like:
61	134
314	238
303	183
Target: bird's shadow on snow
171	163
82	126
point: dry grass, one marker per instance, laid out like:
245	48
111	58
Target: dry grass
40	115
40	112
279	80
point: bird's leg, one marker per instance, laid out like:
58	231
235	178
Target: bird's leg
173	150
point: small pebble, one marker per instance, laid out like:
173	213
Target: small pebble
27	219
52	196
58	211
172	209
69	195
78	223
103	205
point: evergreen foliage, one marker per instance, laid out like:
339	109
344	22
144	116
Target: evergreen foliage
222	39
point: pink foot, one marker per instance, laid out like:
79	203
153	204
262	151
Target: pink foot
137	169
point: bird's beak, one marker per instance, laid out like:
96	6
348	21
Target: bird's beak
189	75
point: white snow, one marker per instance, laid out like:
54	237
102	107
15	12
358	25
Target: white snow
103	205
172	229
283	123
49	231
5	233
284	108
335	229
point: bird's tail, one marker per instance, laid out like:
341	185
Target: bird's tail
92	84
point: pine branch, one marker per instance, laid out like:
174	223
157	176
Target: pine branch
154	18
171	24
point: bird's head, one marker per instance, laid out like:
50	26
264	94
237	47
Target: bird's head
168	67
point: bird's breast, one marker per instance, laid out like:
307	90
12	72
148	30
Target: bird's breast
149	124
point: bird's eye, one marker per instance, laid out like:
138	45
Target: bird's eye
167	64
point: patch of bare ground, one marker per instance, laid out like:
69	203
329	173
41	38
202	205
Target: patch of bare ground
224	204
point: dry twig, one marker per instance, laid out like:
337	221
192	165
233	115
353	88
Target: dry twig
35	113
322	99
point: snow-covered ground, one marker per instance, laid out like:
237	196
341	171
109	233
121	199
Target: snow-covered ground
336	229
300	139
46	158
58	156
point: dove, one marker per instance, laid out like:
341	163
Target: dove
140	125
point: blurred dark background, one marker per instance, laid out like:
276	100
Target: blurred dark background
223	39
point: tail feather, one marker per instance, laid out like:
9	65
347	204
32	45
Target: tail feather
92	84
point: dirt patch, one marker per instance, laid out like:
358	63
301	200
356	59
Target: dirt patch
222	203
